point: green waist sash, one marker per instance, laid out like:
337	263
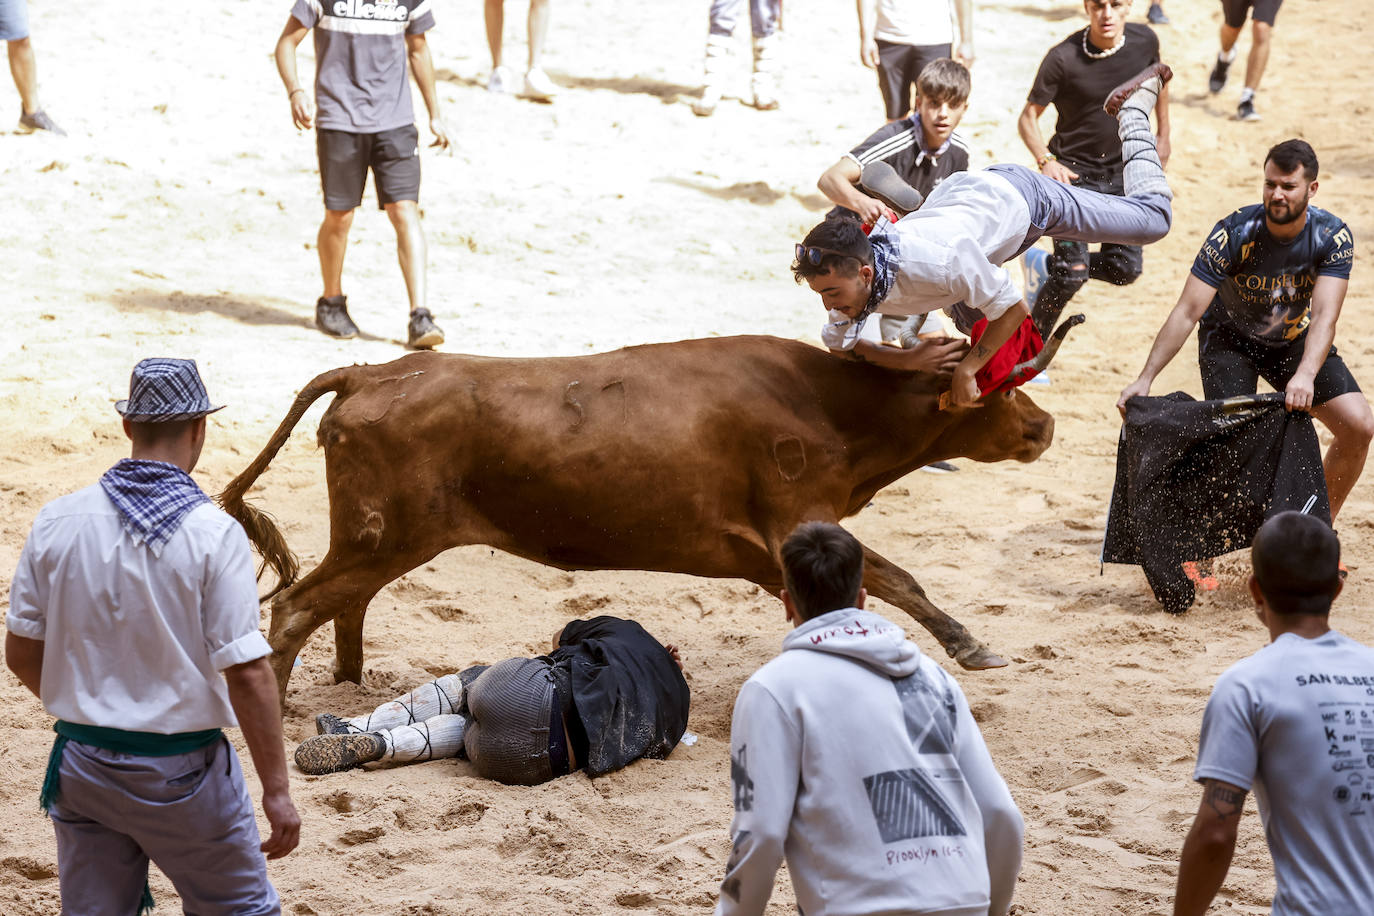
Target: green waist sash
140	744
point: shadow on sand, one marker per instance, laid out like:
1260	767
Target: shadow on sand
264	312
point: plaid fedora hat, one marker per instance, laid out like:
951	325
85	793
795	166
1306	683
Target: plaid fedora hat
164	390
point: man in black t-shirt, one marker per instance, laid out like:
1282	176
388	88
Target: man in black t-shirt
1085	151
1267	287
606	695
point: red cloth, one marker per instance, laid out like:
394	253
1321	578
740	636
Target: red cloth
1024	344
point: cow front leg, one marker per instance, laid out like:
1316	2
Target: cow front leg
888	582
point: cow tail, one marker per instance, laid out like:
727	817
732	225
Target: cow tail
262	531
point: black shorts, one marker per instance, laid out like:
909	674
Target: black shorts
393	156
898	68
1231	365
1233	11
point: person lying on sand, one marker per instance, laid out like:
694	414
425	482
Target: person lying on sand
607	694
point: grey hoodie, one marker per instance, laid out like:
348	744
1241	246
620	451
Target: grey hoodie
857	758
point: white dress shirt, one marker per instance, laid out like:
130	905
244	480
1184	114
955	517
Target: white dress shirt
132	640
951	250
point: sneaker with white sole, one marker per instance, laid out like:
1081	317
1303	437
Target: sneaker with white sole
1035	268
1245	111
1156	15
422	332
331	317
1216	81
39	120
538	86
501	80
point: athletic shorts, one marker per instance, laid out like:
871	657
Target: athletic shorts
898	67
1231	365
1233	11
393	156
14	20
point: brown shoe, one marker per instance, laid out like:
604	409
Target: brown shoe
1121	93
333	753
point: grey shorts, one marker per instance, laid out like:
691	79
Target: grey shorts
392	155
14	20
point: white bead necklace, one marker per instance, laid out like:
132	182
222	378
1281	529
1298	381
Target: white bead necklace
1100	55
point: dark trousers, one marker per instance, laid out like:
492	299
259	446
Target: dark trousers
1071	265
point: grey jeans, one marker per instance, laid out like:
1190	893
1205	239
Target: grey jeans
763	15
189	813
1077	214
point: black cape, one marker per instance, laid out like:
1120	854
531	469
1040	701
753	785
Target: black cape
630	694
1196	479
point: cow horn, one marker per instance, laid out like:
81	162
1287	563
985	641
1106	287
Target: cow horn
1042	360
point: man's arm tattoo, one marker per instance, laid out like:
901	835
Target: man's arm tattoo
982	350
1226	801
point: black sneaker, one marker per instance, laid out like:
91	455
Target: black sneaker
1217	81
1245	111
334	753
39	120
1156	15
327	723
331	317
424	334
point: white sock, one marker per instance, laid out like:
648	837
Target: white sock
1227	56
439	697
435	738
1143	173
1246	95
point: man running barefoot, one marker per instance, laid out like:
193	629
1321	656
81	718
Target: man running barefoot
1265	292
952	248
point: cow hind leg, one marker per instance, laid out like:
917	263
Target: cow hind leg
889	582
338	589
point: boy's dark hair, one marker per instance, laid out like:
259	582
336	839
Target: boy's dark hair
1290	154
1297	561
843	235
944	80
822	568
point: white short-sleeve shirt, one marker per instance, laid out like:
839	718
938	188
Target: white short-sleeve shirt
132	640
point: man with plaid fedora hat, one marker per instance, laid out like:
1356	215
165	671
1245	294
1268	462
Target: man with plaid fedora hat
132	596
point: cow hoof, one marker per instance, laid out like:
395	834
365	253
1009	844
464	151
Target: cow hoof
978	658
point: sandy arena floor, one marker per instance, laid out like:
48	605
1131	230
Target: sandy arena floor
179	218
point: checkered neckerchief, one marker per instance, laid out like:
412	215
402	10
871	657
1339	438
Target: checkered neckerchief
152	498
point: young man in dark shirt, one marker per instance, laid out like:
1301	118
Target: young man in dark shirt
607	694
1267	288
923	149
1084	150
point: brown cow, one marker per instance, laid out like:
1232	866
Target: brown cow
693	457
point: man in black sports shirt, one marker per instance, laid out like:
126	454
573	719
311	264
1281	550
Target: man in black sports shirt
1267	287
1085	151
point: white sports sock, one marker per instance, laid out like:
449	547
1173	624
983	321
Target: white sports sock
1143	174
1227	56
1247	94
435	738
439	697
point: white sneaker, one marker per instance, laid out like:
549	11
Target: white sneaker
501	80
538	86
705	106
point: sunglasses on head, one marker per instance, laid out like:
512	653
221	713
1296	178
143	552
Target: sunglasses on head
809	254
